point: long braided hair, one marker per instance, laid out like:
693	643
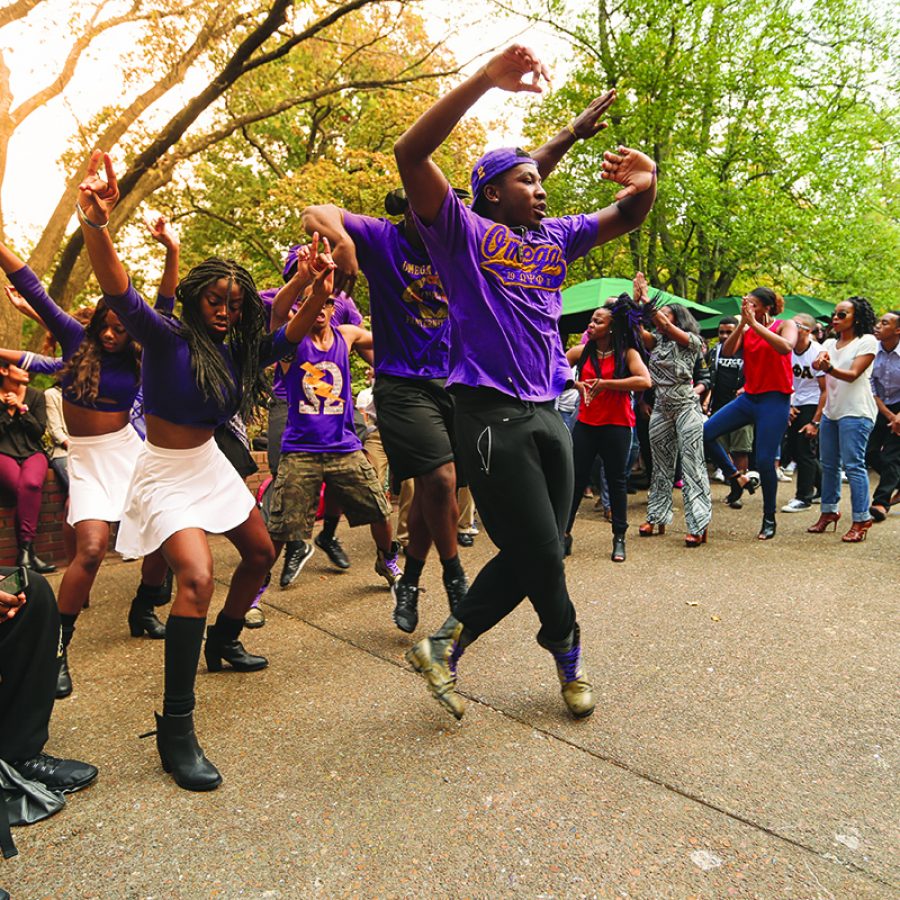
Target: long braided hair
625	331
211	372
84	365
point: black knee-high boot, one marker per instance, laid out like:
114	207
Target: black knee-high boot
176	740
63	678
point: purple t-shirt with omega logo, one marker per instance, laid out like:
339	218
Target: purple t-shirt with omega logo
410	328
320	401
505	301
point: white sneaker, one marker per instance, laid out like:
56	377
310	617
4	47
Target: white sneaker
718	476
796	506
791	467
781	474
844	477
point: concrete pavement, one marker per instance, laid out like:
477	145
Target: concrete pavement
744	744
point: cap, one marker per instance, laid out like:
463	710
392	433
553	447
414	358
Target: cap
496	162
290	262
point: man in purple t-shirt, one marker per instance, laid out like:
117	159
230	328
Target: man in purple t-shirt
411	329
502	264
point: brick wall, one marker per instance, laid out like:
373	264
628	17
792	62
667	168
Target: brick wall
49	541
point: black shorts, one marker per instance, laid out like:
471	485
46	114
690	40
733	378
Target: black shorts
415	418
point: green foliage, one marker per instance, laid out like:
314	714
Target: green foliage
774	135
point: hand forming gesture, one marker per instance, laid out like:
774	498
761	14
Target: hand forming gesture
822	363
22	305
589	122
162	231
641	291
321	267
508	69
748	311
632	169
98	198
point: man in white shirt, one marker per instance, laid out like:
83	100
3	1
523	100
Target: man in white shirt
809	385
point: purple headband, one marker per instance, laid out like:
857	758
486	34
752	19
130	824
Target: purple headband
494	163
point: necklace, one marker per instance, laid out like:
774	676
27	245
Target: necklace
602	354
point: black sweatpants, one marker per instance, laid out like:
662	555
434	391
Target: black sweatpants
805	452
885	458
613	444
29	663
518	458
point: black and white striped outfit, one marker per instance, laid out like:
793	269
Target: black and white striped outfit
676	426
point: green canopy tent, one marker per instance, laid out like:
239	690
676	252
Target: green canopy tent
793	304
580	301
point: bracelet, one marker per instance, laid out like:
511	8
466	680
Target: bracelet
571	130
814	424
83	218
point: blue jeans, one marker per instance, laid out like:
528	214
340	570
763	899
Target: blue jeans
843	441
768	413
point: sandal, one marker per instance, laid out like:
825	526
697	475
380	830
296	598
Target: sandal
857	532
825	519
648	529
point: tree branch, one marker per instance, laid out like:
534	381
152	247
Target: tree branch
17	10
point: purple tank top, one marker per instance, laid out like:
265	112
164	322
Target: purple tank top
320	401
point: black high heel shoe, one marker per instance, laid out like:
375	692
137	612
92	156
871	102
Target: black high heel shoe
232	651
767	531
182	755
618	550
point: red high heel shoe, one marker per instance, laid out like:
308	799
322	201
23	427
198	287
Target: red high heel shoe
825	519
648	529
857	532
695	540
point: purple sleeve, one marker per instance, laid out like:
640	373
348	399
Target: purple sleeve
577	235
275	346
164	304
451	225
141	322
346	311
367	235
60	324
41	365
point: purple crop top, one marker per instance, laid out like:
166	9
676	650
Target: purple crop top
170	388
118	382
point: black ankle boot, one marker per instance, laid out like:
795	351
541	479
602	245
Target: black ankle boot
181	755
27	558
222	644
141	617
63	678
618	550
767	530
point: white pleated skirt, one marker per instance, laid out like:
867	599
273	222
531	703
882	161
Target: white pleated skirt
176	489
100	470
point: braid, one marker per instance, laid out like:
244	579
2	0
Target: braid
863	316
626	332
84	365
211	372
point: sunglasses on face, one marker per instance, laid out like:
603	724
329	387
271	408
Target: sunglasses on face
840	315
329	301
802	327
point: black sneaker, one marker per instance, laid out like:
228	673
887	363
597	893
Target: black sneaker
456	589
64	775
296	554
465	540
333	550
406	606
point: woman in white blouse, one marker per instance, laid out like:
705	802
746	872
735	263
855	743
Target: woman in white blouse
846	415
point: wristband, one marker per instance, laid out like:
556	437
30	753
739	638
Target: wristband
814	424
83	218
571	130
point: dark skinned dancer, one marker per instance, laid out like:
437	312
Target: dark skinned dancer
502	264
411	330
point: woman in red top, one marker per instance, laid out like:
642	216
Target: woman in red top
768	384
610	367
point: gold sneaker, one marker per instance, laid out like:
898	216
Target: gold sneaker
435	659
576	689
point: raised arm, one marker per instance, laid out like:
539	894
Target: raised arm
68	331
636	172
425	184
96	200
322	267
20	304
289	293
782	341
328	221
584	126
162	231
